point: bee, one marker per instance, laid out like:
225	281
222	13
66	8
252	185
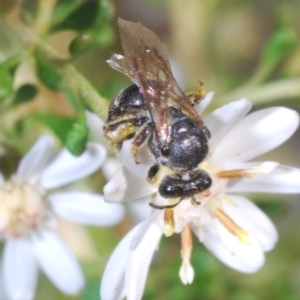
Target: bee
154	111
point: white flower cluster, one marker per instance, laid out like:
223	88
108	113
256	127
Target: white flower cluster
233	228
29	213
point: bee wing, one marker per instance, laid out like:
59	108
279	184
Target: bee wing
146	63
119	63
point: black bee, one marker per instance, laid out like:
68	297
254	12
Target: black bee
155	111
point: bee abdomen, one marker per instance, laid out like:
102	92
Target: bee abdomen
174	186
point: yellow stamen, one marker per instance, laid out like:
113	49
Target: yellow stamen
234	174
263	168
241	234
169	227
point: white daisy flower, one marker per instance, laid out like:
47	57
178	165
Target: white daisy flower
28	218
233	228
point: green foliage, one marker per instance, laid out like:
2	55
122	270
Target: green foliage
62	10
6	83
61	126
102	36
72	132
91	291
25	93
90	19
49	73
79	44
82	18
73	99
77	136
279	46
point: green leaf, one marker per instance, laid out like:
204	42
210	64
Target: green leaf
59	125
73	99
102	36
77	137
279	46
72	133
82	18
6	83
49	74
79	44
12	62
106	12
25	93
63	9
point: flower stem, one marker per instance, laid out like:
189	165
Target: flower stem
84	89
86	92
44	15
266	93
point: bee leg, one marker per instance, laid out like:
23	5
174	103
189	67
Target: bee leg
153	172
165	206
118	132
139	140
194	201
197	96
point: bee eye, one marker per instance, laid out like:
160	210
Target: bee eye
165	151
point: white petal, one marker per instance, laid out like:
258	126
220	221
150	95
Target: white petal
110	167
257	134
204	103
35	160
66	168
156	218
3	295
140	210
283	179
222	120
113	281
86	208
246	258
19	269
125	186
140	255
58	262
96	125
247	215
145	158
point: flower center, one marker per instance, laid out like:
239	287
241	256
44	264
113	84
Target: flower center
22	208
199	210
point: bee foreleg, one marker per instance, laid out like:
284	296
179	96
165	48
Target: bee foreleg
153	172
194	201
140	138
165	206
197	96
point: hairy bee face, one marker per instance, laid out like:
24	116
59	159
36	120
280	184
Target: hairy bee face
127	113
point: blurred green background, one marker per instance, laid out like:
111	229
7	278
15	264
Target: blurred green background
236	48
